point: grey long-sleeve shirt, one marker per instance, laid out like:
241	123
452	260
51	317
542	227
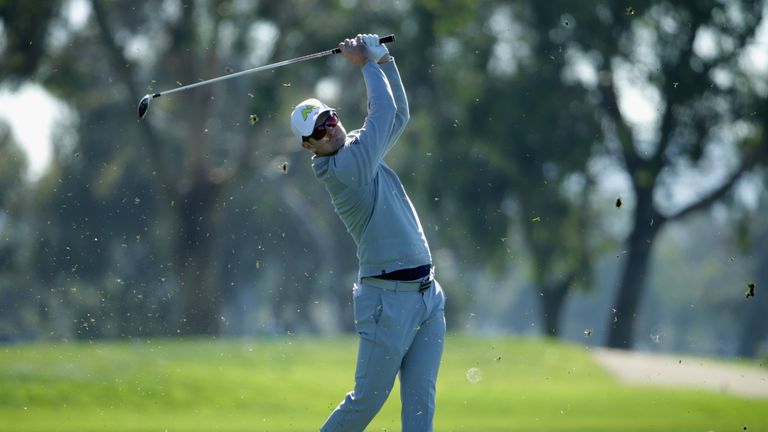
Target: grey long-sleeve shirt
366	194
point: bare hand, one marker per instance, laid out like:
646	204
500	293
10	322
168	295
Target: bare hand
354	51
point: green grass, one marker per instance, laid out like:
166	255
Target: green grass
292	384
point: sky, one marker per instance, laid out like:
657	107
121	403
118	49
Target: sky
32	113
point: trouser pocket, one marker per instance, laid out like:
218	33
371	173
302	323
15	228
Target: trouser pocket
367	307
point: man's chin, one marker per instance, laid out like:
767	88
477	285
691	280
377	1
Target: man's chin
342	137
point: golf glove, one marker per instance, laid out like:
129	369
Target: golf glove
375	49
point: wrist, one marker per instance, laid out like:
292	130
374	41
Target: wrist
359	60
385	59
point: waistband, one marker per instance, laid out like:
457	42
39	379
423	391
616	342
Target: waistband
409	274
398	285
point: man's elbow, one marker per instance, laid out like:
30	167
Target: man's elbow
385	109
404	115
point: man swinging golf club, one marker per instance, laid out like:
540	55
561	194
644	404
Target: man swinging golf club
398	305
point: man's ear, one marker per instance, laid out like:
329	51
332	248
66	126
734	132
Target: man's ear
306	145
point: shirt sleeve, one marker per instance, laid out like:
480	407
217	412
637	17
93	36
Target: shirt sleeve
402	113
355	164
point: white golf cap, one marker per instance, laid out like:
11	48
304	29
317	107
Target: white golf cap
304	116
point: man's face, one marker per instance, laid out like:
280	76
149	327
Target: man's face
333	138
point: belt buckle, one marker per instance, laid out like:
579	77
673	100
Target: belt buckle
425	284
428	282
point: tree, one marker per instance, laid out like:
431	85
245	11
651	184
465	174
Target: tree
198	187
702	90
14	302
753	232
25	28
219	157
515	137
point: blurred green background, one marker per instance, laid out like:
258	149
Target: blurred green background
591	172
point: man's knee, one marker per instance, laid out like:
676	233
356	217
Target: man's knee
364	403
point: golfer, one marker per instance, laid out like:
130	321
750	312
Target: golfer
398	305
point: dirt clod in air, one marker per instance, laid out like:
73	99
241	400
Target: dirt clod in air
750	290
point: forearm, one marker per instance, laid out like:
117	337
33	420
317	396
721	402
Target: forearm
356	163
398	90
378	89
402	111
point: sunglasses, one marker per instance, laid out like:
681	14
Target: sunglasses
319	132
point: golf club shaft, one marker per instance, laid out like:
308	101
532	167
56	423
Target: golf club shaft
321	54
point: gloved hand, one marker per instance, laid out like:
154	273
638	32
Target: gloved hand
375	50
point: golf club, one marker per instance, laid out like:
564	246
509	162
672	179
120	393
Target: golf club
144	102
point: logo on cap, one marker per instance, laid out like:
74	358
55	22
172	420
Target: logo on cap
307	109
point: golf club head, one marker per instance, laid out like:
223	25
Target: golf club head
144	104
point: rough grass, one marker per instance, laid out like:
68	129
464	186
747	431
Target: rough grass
291	384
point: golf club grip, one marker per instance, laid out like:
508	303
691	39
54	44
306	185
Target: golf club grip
383	39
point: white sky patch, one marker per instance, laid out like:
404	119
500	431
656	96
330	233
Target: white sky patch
612	182
755	58
31	113
78	12
580	68
138	47
705	44
262	36
747	190
328	90
510	48
639	102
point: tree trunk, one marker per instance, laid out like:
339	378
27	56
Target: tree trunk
552	300
195	259
634	275
753	327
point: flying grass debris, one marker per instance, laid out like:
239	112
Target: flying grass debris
253	118
618	202
474	375
284	167
750	290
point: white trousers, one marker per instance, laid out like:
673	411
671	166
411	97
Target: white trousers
400	332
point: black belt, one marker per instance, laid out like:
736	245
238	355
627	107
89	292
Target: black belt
408	274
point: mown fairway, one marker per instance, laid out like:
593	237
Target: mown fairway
292	384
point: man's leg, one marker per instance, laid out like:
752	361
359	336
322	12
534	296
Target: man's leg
374	378
418	373
383	320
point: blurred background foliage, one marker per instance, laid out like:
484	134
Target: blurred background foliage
590	171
